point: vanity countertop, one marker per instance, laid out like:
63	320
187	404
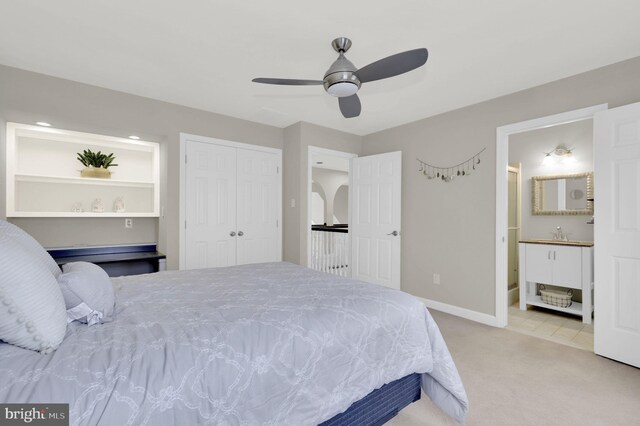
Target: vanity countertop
560	243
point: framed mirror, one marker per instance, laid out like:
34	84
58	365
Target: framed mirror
562	194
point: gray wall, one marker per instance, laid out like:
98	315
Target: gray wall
28	97
528	149
449	228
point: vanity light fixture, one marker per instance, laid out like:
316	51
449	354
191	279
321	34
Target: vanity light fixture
559	154
43	124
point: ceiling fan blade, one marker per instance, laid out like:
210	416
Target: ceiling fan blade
393	65
350	106
287	82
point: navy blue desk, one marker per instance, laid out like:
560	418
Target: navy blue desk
115	260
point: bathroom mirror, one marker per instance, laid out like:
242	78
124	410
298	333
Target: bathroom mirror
563	194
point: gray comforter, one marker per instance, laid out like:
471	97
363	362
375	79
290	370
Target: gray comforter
266	344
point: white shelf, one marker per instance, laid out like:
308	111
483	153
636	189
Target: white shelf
43	174
83	181
84	214
574	309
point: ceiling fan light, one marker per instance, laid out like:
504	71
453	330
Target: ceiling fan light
342	89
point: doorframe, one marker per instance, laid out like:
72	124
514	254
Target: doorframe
518	171
310	152
182	182
502	164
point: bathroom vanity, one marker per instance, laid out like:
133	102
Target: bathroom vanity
566	264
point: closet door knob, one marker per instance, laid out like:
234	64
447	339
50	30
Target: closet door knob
232	233
240	233
394	233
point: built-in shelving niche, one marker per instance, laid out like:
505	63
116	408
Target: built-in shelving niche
43	174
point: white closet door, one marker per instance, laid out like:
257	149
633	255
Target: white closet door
374	198
259	198
210	205
617	234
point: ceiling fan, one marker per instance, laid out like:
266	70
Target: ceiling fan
343	79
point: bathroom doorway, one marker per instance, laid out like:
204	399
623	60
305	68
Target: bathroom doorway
554	152
503	134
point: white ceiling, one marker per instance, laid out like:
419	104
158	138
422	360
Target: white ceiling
204	53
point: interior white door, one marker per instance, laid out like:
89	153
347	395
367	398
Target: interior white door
375	196
617	234
258	180
210	205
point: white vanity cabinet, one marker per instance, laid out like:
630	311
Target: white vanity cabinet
563	263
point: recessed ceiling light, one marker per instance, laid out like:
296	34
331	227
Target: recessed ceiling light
134	137
43	124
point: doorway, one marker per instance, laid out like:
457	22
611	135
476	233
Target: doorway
328	247
551	199
502	195
372	234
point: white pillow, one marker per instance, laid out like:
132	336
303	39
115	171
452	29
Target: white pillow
30	244
32	310
88	293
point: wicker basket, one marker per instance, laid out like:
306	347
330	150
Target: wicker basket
558	298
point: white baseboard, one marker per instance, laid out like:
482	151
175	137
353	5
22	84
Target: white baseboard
460	312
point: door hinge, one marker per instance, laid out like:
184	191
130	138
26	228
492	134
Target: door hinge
185	159
185	224
277	223
277	170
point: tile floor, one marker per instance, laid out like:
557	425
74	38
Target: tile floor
551	325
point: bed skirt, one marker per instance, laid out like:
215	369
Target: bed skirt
381	405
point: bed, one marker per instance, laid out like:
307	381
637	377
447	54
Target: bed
263	344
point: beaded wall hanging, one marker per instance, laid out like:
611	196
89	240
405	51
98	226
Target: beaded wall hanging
447	174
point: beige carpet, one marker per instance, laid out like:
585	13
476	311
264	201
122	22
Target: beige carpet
515	379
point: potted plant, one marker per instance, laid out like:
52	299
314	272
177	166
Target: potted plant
96	164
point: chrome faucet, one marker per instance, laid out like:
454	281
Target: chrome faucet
559	235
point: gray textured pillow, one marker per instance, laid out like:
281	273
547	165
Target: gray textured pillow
30	244
88	293
32	310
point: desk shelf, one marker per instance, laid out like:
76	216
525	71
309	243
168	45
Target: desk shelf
115	260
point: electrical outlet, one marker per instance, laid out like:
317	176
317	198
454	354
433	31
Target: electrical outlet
436	279
128	223
293	202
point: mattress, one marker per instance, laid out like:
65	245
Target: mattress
263	344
